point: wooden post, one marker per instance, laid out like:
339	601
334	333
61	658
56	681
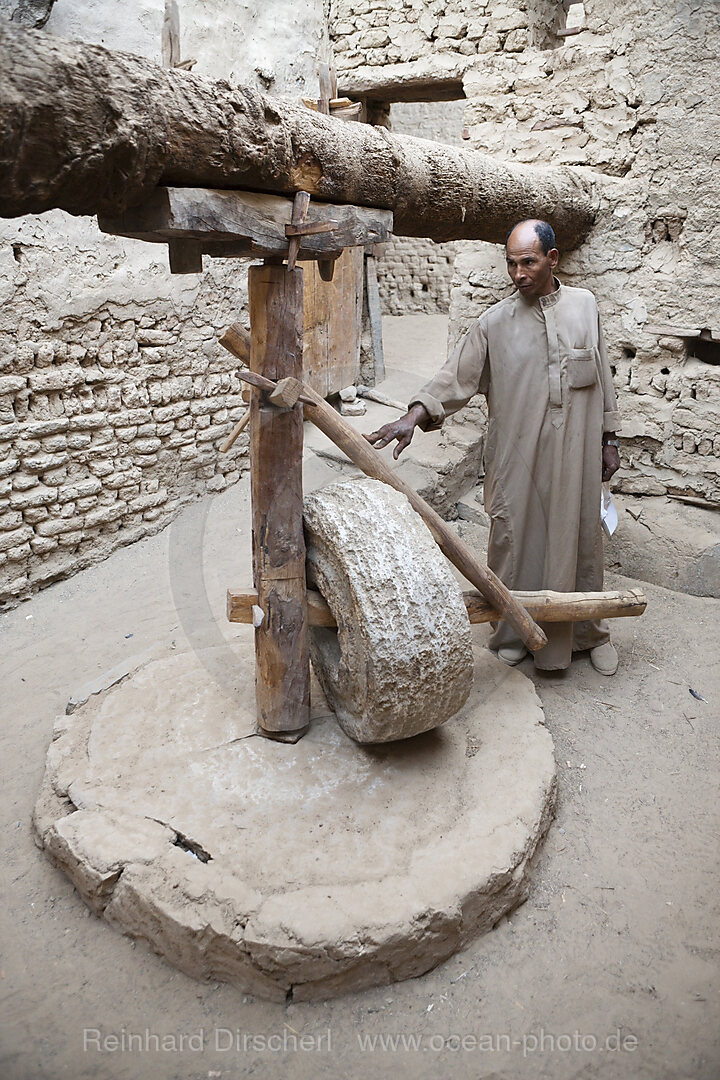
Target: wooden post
372	294
282	668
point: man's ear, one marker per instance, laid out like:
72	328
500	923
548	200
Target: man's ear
554	257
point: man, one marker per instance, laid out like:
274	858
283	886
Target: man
539	358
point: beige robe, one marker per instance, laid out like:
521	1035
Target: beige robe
543	367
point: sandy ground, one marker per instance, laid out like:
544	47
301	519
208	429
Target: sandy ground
609	970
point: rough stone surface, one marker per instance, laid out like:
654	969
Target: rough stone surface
670	543
306	870
31	13
400	662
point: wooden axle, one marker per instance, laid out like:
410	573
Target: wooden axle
544	605
284	393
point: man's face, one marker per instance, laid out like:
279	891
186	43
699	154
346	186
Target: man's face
531	270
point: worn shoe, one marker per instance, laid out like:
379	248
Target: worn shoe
512	654
604	658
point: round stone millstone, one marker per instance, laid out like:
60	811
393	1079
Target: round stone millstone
400	661
306	870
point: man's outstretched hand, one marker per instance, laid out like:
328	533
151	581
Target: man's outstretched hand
402	430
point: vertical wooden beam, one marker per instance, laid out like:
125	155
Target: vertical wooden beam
372	294
282	668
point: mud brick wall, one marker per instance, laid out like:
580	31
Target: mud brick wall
106	427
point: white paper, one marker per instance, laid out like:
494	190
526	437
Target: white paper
608	511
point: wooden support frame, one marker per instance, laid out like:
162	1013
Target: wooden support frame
245	224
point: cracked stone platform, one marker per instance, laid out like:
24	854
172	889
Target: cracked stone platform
302	870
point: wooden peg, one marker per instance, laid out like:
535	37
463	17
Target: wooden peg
299	213
310	228
286	393
236	340
272	387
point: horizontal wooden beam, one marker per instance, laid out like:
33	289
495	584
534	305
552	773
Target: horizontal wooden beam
246	223
546	606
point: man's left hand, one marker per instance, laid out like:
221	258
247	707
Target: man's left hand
610	462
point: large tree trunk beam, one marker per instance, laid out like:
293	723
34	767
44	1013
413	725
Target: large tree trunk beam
544	605
94	132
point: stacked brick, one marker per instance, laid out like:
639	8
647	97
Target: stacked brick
374	33
415	275
104	432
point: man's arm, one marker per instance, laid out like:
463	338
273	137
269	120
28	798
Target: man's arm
610	455
611	417
464	373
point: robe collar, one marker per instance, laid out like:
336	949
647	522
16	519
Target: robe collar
552	298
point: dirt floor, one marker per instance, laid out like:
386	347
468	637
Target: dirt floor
609	970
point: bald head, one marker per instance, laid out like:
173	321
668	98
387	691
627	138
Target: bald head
532	258
542	229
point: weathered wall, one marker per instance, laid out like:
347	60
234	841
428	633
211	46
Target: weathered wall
113	392
634	99
415	274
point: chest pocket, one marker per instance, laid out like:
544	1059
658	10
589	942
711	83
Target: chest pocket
581	369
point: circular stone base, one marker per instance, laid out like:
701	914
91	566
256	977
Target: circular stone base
309	869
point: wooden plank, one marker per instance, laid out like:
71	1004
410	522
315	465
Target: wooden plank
372	293
326	88
333	312
282	676
545	605
671	330
300	206
237	340
230	441
253	220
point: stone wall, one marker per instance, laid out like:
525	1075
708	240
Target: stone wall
634	100
114	394
437	36
625	100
